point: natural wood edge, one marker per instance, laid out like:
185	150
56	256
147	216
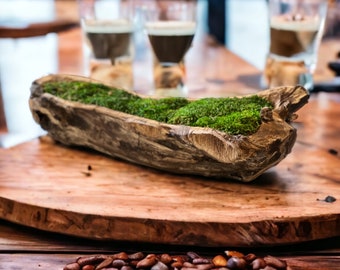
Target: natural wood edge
209	234
204	151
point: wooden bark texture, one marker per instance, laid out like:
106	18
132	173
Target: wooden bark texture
173	148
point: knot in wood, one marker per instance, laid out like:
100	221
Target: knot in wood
266	114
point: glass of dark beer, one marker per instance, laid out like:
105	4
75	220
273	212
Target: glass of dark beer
170	26
108	40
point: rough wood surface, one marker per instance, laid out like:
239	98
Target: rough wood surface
173	148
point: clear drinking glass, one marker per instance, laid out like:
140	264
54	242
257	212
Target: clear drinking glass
108	38
170	26
296	29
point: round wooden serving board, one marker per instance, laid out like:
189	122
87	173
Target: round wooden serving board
83	193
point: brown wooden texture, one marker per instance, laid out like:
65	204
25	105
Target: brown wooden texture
172	148
53	251
50	187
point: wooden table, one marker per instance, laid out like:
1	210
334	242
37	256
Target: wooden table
222	74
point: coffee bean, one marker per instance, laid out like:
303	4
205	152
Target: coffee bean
250	257
118	263
258	263
88	260
189	265
126	267
133	263
165	258
72	266
275	262
233	253
121	256
159	266
268	267
177	262
136	256
236	263
88	267
201	261
191	261
192	255
219	261
147	262
104	263
177	265
204	266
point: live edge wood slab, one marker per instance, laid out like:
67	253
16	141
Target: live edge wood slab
77	192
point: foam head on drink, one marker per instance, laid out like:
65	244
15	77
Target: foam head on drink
108	39
170	40
293	43
293	35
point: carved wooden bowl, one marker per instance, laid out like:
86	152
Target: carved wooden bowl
173	148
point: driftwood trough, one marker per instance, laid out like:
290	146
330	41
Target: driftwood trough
172	148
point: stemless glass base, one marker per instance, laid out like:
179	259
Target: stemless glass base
108	29
171	92
169	80
296	28
286	71
170	27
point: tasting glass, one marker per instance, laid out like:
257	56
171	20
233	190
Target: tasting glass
108	40
170	26
296	29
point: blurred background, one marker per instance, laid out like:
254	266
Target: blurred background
240	24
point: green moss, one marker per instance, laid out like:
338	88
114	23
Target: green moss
156	109
91	93
230	115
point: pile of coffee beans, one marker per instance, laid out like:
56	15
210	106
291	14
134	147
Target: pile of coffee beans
189	261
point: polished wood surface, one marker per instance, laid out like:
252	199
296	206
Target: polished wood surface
26	248
315	158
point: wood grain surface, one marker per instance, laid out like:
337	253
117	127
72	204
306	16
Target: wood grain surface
187	150
83	193
54	251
